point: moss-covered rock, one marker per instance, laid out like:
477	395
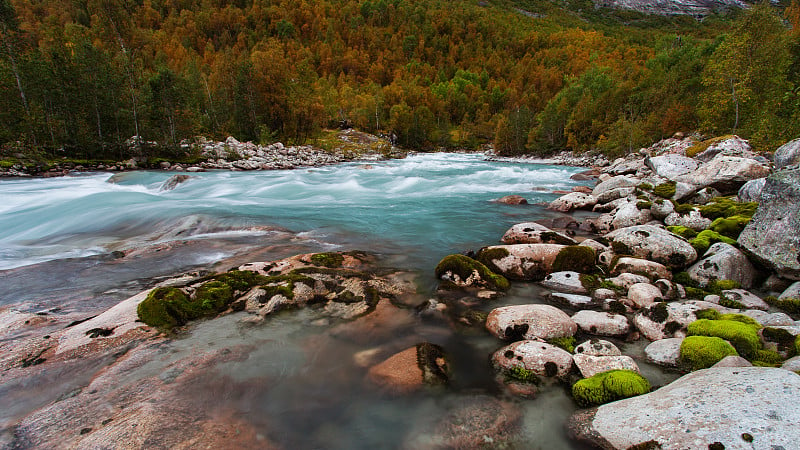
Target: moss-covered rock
707	237
240	280
767	358
717	286
790	306
683	208
743	336
701	352
576	258
684	232
608	387
328	259
644	204
728	207
465	267
665	190
212	296
163	308
520	373
731	226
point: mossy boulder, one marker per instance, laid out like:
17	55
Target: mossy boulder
575	258
727	207
665	190
701	352
731	226
743	336
168	307
608	387
790	306
163	308
465	269
705	238
653	243
684	232
524	261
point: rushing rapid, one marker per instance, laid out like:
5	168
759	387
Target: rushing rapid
424	207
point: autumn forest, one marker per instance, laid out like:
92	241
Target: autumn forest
80	77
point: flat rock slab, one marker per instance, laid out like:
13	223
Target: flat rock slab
665	352
699	409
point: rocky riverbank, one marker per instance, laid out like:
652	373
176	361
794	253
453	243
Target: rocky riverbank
695	249
345	145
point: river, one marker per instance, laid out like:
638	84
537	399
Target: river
79	244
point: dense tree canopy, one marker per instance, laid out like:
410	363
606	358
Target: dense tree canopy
80	77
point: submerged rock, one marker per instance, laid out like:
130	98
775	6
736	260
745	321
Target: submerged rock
512	200
735	407
411	369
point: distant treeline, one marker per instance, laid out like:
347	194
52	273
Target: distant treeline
78	78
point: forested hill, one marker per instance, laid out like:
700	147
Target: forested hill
80	77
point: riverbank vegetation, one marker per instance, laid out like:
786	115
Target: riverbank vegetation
80	78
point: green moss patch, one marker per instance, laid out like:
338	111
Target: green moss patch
328	259
577	258
522	374
731	227
790	306
665	190
464	266
608	387
702	352
743	336
682	208
727	207
684	232
707	237
240	280
168	307
566	343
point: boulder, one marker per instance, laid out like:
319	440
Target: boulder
693	220
567	282
746	298
773	235
733	361
538	357
530	322
615	194
726	146
597	347
663	320
512	200
664	352
787	154
534	233
734	407
594	245
470	422
614	183
173	182
671	166
767	319
592	365
792	364
573	200
629	215
626	280
653	243
601	323
641	295
411	369
751	191
521	261
660	210
725	173
793	291
723	262
572	301
639	266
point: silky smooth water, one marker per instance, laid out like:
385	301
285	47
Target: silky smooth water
57	237
423	207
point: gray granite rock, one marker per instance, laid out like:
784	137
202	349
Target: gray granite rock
664	352
601	323
723	262
653	243
530	322
700	409
540	358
